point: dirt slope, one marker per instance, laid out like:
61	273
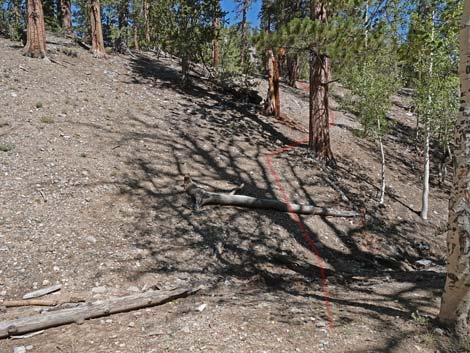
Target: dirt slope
91	197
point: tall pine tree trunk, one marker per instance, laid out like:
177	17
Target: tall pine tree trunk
97	44
215	44
120	43
243	41
136	35
320	73
16	11
293	65
36	35
455	304
146	9
66	15
272	104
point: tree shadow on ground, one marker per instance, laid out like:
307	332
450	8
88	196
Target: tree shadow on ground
219	143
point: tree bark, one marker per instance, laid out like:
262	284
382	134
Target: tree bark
136	36
427	133
202	197
120	43
455	304
36	35
90	310
66	15
215	44
97	44
146	9
320	67
293	65
272	104
243	41
382	172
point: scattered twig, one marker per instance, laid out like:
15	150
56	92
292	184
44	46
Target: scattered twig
28	335
43	195
56	62
43	291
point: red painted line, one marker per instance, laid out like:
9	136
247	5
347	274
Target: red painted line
301	226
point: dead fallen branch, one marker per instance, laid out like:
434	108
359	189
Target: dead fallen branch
91	310
39	302
202	197
43	291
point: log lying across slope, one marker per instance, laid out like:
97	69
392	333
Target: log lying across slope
202	197
91	310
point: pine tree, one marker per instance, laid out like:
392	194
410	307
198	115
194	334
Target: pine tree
36	35
97	43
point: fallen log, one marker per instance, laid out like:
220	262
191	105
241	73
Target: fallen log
91	310
202	197
39	302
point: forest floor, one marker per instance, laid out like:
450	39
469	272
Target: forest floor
91	173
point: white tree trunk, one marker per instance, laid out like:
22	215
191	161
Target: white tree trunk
382	172
425	195
455	304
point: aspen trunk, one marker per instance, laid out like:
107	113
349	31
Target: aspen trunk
427	132
36	35
97	44
382	172
455	304
425	194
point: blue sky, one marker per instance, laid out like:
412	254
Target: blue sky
230	6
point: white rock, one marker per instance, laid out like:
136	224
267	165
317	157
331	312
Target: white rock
91	239
19	349
98	290
201	307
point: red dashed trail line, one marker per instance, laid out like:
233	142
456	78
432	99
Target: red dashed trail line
296	218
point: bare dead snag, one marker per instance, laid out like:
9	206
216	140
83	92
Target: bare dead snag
202	197
91	310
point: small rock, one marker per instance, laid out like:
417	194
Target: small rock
13	94
424	262
19	349
45	282
201	307
91	239
131	324
98	290
133	289
29	347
